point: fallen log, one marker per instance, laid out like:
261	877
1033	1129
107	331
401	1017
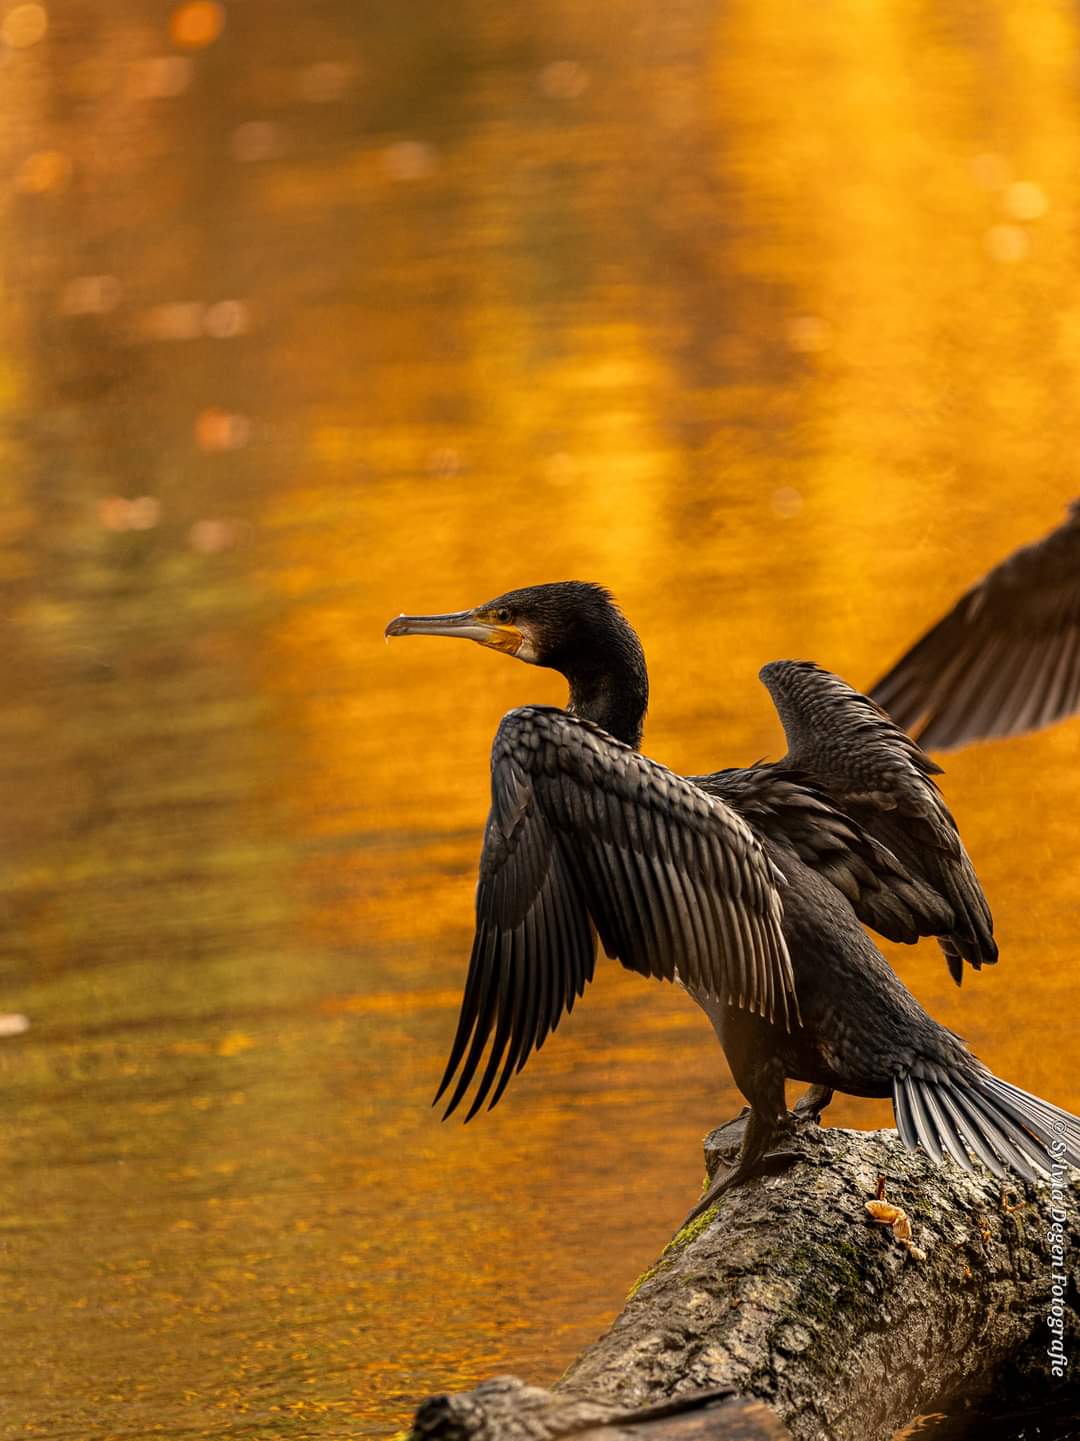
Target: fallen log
506	1409
836	1300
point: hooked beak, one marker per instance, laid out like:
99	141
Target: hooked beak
462	623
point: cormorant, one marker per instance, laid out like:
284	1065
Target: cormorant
1005	659
747	886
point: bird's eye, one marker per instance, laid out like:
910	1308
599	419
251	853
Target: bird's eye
502	615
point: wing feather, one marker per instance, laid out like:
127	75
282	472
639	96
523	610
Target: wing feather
586	837
1029	601
653	909
537	942
510	983
1054	702
483	1020
901	862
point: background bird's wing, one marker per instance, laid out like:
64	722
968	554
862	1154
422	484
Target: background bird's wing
845	746
1005	659
586	833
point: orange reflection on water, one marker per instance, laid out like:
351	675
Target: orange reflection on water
711	316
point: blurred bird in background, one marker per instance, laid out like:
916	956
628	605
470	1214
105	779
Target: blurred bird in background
1005	659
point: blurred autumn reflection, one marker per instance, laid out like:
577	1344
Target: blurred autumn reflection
766	315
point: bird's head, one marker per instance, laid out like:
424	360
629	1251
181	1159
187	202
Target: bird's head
571	626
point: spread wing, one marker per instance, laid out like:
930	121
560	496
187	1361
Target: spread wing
849	749
1005	659
786	807
587	836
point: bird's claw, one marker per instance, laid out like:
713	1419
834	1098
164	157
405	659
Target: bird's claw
773	1162
811	1103
769	1164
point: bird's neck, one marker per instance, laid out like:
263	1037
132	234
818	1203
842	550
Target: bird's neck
615	698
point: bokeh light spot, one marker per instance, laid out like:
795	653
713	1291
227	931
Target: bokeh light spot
1024	200
144	512
808	334
225	319
176	320
160	77
197	24
444	460
991	170
90	295
112	512
408	160
786	502
1007	243
117	513
212	537
217	429
13	1024
235	1043
254	140
563	80
43	171
24	26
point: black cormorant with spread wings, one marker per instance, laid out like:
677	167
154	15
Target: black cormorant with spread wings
1005	659
747	886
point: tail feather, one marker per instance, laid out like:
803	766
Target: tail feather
1032	1153
983	1116
1009	1154
942	1119
905	1121
969	1131
1044	1114
1011	1157
933	1144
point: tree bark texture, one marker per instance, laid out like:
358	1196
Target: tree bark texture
791	1294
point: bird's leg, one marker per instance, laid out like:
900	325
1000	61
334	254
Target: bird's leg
811	1103
761	1081
755	1158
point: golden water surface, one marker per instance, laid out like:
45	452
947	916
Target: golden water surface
763	313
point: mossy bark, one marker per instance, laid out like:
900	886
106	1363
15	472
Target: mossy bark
791	1293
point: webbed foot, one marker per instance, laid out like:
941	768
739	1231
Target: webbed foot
812	1102
726	1178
